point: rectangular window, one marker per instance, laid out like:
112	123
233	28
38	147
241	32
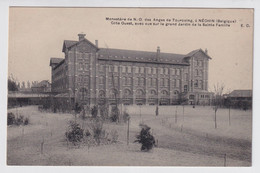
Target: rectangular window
129	81
154	71
115	68
154	82
80	66
177	72
149	70
166	82
178	83
174	83
185	88
141	69
110	80
191	97
136	81
136	69
161	82
173	71
129	69
123	69
161	71
166	71
196	84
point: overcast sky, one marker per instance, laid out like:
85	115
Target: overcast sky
36	34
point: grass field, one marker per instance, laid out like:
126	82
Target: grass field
188	139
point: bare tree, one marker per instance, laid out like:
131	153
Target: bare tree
28	84
218	90
12	83
228	104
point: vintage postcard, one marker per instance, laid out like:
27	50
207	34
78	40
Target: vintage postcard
130	87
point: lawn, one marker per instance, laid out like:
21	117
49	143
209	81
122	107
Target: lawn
188	139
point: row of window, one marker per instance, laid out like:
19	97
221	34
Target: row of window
150	70
83	66
138	92
83	56
83	93
83	79
201	96
140	81
204	96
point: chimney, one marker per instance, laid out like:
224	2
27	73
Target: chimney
158	54
96	43
206	51
81	36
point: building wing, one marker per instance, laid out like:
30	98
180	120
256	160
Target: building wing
241	93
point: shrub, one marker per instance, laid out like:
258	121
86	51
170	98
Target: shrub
114	114
145	138
10	118
77	108
103	110
97	129
245	105
75	133
19	120
26	121
94	111
87	133
114	136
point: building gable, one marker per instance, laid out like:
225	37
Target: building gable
83	46
199	53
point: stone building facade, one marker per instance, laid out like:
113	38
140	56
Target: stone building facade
93	75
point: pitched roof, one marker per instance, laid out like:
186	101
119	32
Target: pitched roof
69	43
135	55
55	60
197	50
140	56
241	93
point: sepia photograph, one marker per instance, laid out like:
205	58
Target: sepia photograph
130	86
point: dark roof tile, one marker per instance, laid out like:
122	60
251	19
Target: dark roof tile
241	93
134	55
55	60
